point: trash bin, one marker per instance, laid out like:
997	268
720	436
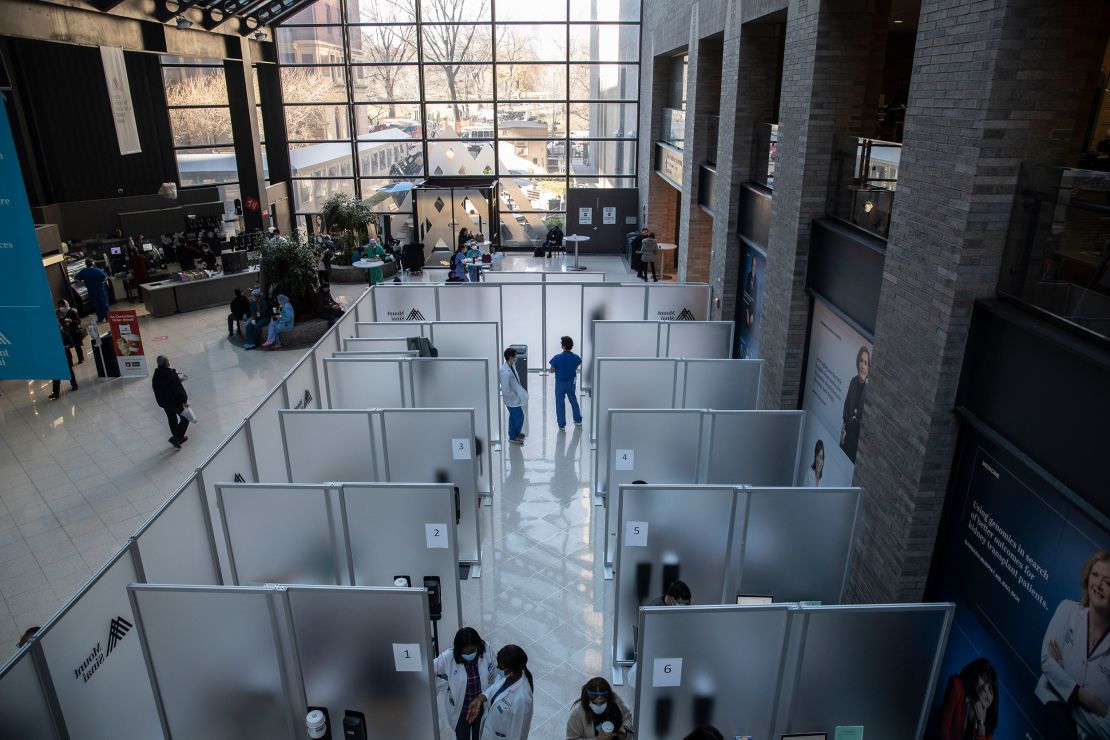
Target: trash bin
107	364
521	363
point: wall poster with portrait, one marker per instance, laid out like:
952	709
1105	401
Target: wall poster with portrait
1029	570
749	310
838	366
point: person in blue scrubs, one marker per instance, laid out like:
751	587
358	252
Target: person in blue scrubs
565	366
95	281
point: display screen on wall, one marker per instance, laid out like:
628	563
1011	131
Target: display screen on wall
750	310
836	384
1029	654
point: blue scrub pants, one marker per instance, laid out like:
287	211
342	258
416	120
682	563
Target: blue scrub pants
516	421
565	388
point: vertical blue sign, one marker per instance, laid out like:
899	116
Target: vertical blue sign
30	339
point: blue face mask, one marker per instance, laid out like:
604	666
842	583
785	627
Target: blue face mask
502	674
599	708
469	656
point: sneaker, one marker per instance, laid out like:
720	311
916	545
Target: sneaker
577	423
562	429
174	442
74	387
248	346
517	440
53	397
185	439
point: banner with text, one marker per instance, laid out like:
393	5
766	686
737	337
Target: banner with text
119	96
1029	653
836	381
750	311
128	343
30	338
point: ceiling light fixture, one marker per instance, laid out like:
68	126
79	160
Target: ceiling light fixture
259	35
898	21
183	22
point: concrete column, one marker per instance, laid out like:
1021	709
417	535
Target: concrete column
239	77
824	92
995	83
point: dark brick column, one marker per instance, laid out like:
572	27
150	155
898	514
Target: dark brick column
702	94
995	83
825	90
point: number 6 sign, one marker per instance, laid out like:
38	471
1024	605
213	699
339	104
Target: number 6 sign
667	672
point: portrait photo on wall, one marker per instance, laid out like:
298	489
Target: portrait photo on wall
837	370
1029	570
750	311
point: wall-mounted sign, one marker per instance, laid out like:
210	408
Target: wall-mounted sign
608	215
668	164
119	97
585	216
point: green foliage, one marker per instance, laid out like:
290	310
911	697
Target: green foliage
289	267
347	218
554	221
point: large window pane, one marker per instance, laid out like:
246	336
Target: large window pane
316	122
460	158
378	158
521	10
454	11
617	120
386	82
328	159
604	82
533	193
381	11
313	85
310	45
531	81
531	120
200	126
609	43
458	82
210	167
462	121
603	10
603	157
388	120
388	195
321	11
195	85
535	157
531	44
383	44
457	43
603	182
310	195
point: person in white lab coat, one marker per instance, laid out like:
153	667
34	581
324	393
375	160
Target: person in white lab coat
514	396
510	712
462	673
1075	656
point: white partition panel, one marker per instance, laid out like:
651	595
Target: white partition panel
24	709
795	543
389	329
360	344
380	355
500	276
627	384
756	448
92	652
562	317
328	345
345	326
607	303
280	534
470	302
176	545
429	445
216	661
620	339
458	383
302	390
406	529
677	302
521	319
265	432
232	462
698	339
403	302
364	384
350	645
326	446
473	339
574	277
720	384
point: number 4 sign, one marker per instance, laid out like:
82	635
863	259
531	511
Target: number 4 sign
625	459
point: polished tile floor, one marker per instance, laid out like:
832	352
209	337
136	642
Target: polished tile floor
79	475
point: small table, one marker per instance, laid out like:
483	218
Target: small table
663	260
368	265
576	239
478	266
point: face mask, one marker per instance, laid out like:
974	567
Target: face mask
599	708
469	656
502	674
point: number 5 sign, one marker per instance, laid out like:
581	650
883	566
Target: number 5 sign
667	672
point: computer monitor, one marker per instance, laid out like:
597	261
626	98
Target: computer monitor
116	250
807	736
148	247
753	599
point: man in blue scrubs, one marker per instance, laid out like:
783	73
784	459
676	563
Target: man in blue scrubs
95	281
565	366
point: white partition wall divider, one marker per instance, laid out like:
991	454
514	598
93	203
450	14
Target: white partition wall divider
379	354
754	448
705	340
26	706
232	462
176	544
775	670
361	344
328	445
524	276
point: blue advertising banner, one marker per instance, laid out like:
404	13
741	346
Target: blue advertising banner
750	312
1029	570
30	339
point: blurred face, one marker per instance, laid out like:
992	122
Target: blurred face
985	690
671	601
1098	586
863	366
819	461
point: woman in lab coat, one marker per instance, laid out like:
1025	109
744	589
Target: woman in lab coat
462	672
1075	656
510	698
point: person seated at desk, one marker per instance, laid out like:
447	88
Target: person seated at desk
257	320
599	713
374	251
95	281
458	266
282	322
210	258
678	594
325	306
356	255
496	259
240	310
187	256
140	272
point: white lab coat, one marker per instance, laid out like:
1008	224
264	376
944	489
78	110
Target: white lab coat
451	679
1069	629
509	717
512	392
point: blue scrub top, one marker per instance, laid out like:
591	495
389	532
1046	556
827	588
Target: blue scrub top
566	365
93	278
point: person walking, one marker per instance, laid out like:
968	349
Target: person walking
56	386
648	249
510	698
171	396
565	366
70	322
95	281
514	396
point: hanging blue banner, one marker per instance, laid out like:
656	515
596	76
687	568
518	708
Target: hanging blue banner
30	338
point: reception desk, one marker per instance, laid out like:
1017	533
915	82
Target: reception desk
167	297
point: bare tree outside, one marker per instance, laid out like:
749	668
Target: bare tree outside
386	47
452	47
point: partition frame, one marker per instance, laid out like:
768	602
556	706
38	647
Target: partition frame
400	377
662	340
33	652
208	527
374	451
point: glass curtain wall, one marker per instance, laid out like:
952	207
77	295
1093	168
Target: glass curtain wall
540	96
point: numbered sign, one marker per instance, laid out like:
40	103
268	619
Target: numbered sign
667	672
626	459
460	449
435	535
635	534
406	656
